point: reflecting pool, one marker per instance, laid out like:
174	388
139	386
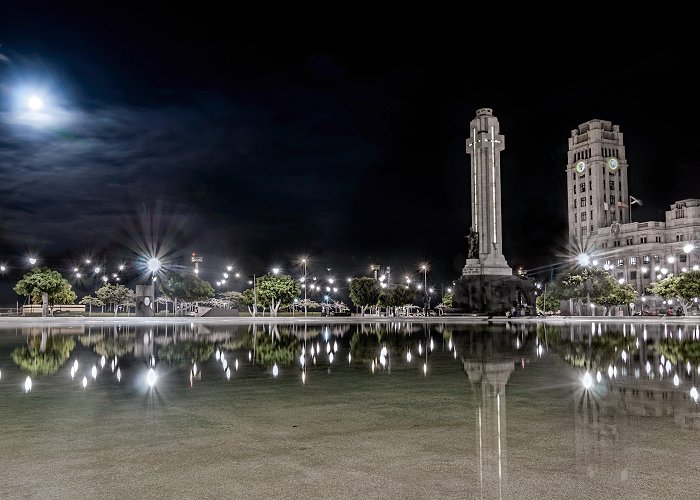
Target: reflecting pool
391	410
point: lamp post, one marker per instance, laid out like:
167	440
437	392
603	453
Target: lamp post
303	261
426	300
255	298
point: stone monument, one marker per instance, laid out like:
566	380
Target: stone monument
487	284
144	300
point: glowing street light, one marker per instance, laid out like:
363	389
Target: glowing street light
688	247
97	270
583	260
32	260
229	268
153	265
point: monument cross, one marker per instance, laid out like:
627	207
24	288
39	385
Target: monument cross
485	146
487	285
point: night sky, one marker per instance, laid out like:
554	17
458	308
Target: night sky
253	139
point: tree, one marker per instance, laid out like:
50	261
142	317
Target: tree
247	298
90	301
685	288
396	297
364	293
115	295
275	291
44	285
588	285
447	299
619	295
186	287
550	306
236	299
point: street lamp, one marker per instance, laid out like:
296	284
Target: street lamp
426	297
303	261
32	260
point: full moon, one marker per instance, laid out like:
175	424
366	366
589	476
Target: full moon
35	103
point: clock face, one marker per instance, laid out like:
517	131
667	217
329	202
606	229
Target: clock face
581	166
613	163
147	301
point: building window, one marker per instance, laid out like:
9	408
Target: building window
616	243
590	185
643	239
575	203
633	261
583	231
575	217
656	259
680	213
612	185
646	259
658	239
582	187
633	275
630	241
612	201
574	188
583	202
682	258
620	262
583	216
607	262
591	228
679	237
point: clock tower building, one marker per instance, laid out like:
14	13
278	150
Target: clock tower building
596	173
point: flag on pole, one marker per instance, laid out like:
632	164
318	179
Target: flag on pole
634	200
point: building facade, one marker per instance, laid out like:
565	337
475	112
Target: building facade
599	210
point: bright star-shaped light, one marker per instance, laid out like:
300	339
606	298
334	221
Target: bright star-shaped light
153	265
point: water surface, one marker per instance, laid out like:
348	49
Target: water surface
479	411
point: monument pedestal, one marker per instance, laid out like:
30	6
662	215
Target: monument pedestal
490	266
493	294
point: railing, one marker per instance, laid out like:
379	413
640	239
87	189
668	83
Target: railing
58	308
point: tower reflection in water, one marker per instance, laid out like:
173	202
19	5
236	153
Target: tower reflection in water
489	360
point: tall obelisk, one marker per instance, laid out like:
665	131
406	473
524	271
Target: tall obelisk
485	143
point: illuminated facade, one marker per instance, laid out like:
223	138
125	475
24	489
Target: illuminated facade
599	213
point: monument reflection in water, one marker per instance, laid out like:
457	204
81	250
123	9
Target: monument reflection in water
496	411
